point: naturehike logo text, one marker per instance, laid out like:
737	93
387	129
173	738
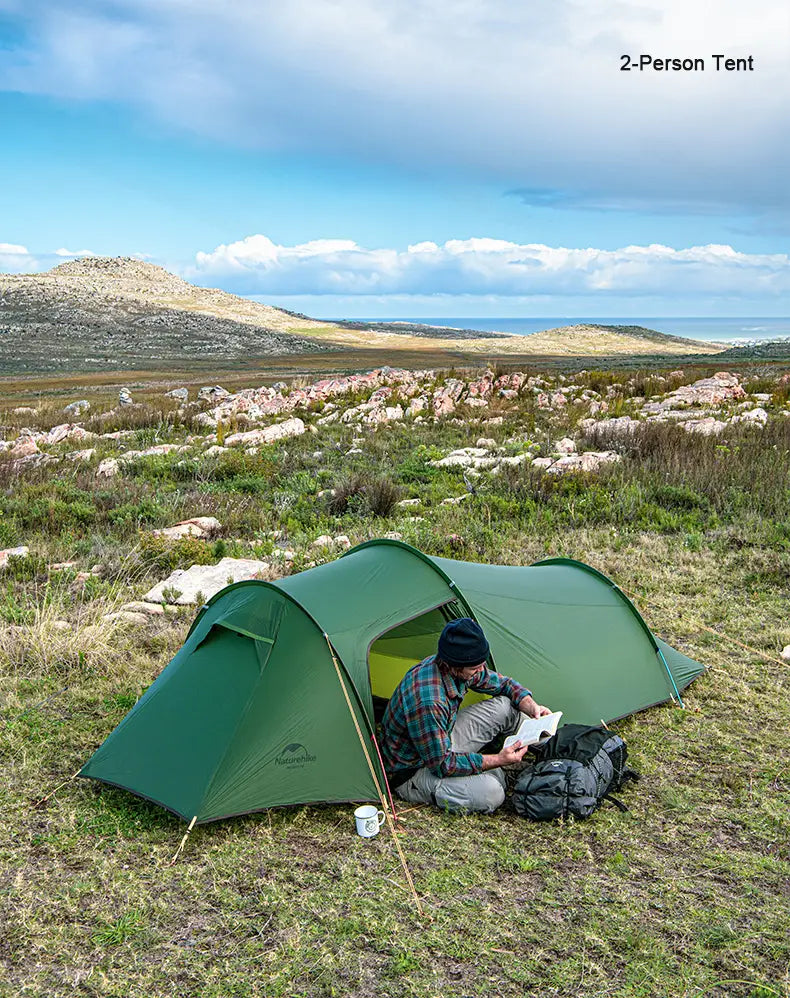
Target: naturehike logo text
294	755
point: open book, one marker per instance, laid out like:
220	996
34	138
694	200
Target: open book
533	730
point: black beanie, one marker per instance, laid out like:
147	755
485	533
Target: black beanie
462	643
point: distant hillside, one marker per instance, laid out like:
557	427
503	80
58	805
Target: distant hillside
768	350
119	313
104	313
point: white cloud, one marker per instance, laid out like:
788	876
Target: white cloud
481	266
16	259
70	253
527	94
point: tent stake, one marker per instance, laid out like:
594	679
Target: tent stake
184	840
52	794
385	807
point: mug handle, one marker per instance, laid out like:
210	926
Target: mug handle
382	819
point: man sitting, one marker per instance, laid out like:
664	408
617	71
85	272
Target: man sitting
431	750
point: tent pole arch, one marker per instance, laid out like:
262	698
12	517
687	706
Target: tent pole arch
389	542
629	604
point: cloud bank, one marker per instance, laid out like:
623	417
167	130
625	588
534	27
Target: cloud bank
527	95
481	266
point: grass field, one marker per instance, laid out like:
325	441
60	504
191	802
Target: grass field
688	895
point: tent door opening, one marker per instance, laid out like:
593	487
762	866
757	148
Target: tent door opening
394	652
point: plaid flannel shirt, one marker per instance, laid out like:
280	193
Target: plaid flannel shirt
421	713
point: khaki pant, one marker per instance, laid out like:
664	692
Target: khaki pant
474	727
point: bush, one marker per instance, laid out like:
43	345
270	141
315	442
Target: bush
363	493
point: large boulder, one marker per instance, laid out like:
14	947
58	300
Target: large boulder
182	586
280	431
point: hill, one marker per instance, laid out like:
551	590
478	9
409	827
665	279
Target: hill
119	313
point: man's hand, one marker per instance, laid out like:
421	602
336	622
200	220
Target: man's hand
513	753
528	706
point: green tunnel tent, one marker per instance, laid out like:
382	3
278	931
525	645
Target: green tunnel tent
251	713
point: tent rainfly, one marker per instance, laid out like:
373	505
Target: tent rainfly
271	699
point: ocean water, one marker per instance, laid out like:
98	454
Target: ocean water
735	331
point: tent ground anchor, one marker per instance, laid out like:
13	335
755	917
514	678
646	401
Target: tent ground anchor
184	840
52	794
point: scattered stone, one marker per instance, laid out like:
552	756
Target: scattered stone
182	586
77	408
393	535
565	446
201	527
125	397
181	394
61	625
455	500
126	617
324	541
542	462
216	449
406	503
150	609
785	653
486	443
108	468
589	461
707	427
213	393
81	455
342	541
24	447
61	566
24	410
758	417
18	552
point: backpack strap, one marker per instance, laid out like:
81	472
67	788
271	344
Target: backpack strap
617	803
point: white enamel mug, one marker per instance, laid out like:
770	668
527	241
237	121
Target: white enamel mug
368	820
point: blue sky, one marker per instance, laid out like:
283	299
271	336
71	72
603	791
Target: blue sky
405	157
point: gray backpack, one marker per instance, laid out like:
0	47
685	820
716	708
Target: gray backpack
576	770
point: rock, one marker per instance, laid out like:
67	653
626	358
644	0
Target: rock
24	410
181	394
406	503
18	552
565	446
23	447
324	541
81	455
280	431
758	417
722	387
589	461
455	500
343	542
108	468
707	427
215	449
126	617
785	653
354	450
61	566
61	625
494	421
212	393
77	408
393	535
486	443
182	586
542	462
762	397
125	397
199	526
138	606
